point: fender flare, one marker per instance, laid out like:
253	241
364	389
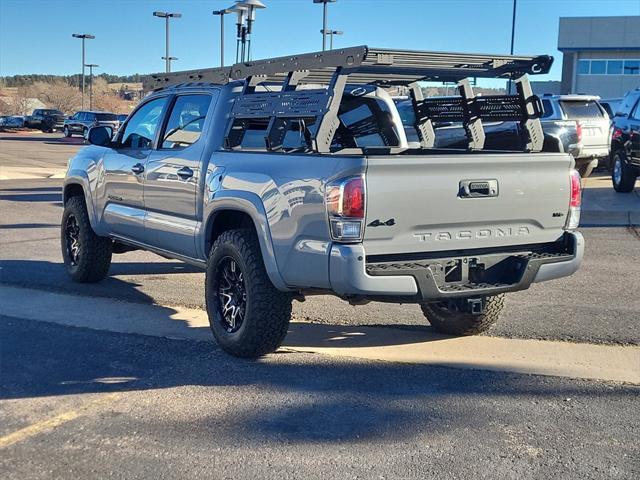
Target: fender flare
79	177
250	204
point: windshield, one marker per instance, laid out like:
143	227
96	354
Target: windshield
106	117
581	109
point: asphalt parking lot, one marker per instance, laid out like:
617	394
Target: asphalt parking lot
111	387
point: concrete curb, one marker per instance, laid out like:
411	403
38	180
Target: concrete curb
574	360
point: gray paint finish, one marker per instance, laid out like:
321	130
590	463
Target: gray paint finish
283	194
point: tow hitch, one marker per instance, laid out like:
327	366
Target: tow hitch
474	306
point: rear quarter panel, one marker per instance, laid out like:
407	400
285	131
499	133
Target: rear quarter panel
290	189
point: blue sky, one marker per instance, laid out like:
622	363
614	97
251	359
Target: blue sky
35	35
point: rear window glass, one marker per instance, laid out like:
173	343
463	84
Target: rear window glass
107	117
581	109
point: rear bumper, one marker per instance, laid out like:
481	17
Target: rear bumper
434	277
588	152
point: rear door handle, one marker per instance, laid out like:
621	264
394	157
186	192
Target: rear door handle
138	168
184	173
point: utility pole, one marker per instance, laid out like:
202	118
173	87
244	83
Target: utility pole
91	67
83	37
167	16
324	21
331	33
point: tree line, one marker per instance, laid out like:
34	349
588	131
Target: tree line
73	80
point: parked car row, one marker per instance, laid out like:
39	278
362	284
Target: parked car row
49	120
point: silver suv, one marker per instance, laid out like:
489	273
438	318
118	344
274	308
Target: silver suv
593	122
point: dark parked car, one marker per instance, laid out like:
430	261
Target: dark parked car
45	119
81	122
625	143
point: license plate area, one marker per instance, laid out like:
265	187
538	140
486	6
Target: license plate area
477	271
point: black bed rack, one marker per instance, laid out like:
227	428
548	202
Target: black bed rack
327	73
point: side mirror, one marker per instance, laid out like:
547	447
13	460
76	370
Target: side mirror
100	136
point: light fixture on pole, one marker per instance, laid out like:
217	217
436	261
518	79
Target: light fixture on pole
166	15
241	16
250	6
83	36
331	33
91	67
222	13
324	21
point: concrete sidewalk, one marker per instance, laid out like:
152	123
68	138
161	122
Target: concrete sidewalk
564	359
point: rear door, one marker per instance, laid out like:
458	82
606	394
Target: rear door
124	168
464	201
174	172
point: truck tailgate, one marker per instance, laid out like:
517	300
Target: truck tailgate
464	201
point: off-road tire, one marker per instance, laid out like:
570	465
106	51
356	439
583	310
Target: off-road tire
267	311
66	132
627	179
94	256
460	323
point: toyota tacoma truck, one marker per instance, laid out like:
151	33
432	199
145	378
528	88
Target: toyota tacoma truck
293	176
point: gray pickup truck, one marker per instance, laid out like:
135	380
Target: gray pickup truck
293	176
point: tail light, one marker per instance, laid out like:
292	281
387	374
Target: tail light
576	200
617	133
579	131
345	200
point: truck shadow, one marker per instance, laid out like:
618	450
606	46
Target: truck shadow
309	398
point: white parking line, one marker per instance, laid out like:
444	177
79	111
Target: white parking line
575	360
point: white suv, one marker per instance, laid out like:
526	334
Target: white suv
593	126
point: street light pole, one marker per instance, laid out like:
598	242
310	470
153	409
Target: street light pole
324	21
83	37
167	16
91	66
513	34
222	13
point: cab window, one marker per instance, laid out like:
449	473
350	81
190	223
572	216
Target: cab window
186	121
141	128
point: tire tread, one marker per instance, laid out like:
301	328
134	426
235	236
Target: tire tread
271	305
464	324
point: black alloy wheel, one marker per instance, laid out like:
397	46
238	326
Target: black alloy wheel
72	240
232	294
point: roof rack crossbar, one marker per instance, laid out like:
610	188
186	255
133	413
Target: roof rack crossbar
368	65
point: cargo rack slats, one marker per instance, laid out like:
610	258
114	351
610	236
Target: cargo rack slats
329	71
